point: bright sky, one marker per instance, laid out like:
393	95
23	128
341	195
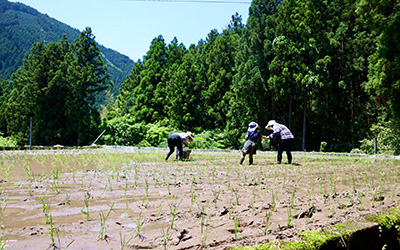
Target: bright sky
129	26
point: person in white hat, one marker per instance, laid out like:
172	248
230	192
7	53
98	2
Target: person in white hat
178	140
286	136
250	146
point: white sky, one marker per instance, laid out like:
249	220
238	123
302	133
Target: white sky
129	26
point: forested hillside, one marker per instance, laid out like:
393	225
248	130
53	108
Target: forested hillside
326	69
21	26
329	70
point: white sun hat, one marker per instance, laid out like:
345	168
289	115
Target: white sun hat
252	126
270	123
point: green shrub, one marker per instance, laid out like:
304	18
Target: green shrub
388	139
8	142
123	131
208	140
156	134
323	147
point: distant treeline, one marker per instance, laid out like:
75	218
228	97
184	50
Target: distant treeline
329	70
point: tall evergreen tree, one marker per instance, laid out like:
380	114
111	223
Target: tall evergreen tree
126	98
147	107
39	92
384	65
88	76
56	86
183	94
252	99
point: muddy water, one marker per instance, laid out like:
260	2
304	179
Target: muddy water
113	199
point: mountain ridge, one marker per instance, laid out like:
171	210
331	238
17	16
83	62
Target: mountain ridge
21	26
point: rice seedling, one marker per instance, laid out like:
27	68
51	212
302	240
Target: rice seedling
56	172
236	222
109	184
214	171
229	183
173	207
284	182
28	169
55	185
160	208
332	184
168	187
332	209
290	207
216	194
144	199
3	205
204	227
237	196
228	170
86	200
30	189
45	209
136	176
184	176
394	191
4	237
124	243
238	171
53	232
67	199
146	186
165	234
193	199
268	214
103	220
320	185
5	168
139	226
348	204
254	189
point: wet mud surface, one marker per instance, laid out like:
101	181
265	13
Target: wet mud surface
133	199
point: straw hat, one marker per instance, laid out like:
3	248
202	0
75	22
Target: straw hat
252	126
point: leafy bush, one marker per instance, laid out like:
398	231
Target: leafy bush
233	138
323	146
208	140
123	131
388	139
7	142
156	134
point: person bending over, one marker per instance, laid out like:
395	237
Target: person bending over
286	142
178	140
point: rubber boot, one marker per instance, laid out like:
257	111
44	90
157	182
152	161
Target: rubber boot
250	161
241	160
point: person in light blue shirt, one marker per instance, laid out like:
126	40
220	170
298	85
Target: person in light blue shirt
250	146
287	139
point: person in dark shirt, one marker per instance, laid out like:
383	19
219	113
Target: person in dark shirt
250	146
178	140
